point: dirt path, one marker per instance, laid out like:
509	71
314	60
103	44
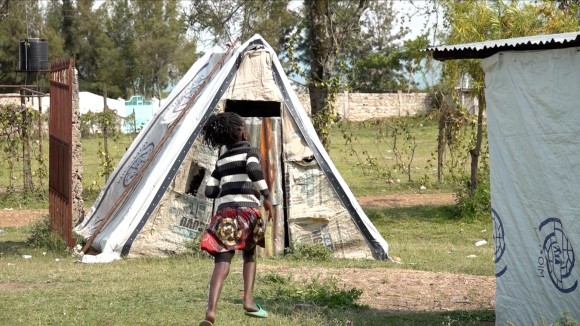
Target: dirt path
21	217
402	290
405	200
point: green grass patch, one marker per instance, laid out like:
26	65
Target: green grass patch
173	291
92	182
360	179
358	172
24	200
429	238
314	292
426	238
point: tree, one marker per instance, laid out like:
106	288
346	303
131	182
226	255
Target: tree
412	56
228	19
331	25
373	55
475	21
161	38
119	25
377	73
23	20
3	8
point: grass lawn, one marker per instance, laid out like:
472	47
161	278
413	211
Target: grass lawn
172	291
364	181
361	180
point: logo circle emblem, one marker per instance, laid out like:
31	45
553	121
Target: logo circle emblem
559	255
138	162
498	240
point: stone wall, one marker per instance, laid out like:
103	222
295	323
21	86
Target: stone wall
78	211
366	106
28	101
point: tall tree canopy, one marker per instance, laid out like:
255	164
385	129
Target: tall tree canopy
221	22
131	46
475	21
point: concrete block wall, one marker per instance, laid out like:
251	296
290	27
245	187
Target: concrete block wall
366	106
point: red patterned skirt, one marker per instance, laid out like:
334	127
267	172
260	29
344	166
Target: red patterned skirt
234	228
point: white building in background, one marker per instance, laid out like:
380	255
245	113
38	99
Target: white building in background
95	103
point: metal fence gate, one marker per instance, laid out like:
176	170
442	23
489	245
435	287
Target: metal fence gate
60	148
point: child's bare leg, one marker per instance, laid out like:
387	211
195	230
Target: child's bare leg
249	273
220	272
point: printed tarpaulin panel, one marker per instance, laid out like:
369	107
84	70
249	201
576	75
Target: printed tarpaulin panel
316	215
533	125
184	212
129	214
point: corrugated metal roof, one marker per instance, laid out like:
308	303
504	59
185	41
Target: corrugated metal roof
485	49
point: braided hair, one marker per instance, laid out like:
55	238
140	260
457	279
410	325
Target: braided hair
222	129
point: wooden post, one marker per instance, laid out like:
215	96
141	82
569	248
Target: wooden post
106	132
41	168
26	168
134	124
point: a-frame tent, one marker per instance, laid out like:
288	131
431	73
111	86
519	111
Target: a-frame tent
165	209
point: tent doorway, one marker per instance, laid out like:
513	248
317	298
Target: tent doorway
258	109
264	127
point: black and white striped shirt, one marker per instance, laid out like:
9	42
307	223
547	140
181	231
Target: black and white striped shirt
237	180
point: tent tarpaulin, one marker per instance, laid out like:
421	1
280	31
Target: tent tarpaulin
159	200
533	126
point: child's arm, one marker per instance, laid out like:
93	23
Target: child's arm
254	171
212	188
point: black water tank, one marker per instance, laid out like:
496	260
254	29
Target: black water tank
33	54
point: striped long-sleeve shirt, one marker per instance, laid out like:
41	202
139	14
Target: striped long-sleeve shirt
237	180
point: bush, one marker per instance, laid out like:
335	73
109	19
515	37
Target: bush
308	251
194	248
323	294
473	204
42	237
567	320
274	278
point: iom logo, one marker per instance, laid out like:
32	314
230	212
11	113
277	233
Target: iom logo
190	90
558	255
144	153
498	242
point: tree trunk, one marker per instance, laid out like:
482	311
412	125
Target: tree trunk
326	39
410	79
159	91
476	150
320	49
441	142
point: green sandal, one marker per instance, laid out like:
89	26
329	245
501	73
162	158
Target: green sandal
257	314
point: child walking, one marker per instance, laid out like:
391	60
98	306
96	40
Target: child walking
237	184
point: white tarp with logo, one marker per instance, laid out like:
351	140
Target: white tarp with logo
159	214
533	103
116	232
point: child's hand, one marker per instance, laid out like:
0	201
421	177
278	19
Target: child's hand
268	207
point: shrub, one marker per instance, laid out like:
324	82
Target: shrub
308	251
274	278
42	237
473	204
194	248
566	320
323	294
